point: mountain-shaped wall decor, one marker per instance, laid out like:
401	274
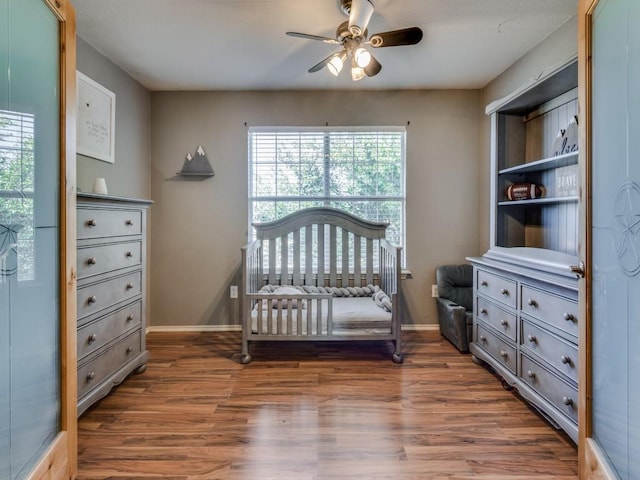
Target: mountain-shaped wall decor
197	165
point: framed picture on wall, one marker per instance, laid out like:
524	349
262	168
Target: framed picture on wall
96	120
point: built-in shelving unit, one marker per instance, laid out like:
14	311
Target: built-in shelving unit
525	286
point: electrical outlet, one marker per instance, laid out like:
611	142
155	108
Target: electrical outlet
434	291
233	291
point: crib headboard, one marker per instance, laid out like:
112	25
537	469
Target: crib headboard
321	246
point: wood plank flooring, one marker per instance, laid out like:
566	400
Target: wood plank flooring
315	412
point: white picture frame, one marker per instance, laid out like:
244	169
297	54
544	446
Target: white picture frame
95	120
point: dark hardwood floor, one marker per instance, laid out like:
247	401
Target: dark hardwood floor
316	411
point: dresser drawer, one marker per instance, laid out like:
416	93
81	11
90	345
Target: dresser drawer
561	312
99	259
95	297
504	353
97	223
499	288
563	396
95	335
108	362
497	317
559	354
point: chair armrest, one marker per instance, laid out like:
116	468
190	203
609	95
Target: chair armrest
449	309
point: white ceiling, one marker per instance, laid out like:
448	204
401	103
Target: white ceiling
241	44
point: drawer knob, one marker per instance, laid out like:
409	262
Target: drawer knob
565	359
504	291
567	401
129	349
531	374
483	311
92	299
503	354
568	316
532	303
91	222
91	260
483	338
91	375
504	322
92	338
128	254
129	318
532	339
129	286
484	283
129	222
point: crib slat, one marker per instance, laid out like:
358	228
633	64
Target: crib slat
369	252
299	318
308	255
269	317
329	318
309	318
284	260
290	312
272	261
260	316
333	256
319	317
296	257
357	267
345	257
321	271
279	318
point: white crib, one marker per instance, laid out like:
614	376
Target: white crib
321	274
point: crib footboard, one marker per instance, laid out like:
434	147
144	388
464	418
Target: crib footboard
303	316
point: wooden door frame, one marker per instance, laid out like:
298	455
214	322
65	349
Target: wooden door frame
61	458
592	461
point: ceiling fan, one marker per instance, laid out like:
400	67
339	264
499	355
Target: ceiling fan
352	35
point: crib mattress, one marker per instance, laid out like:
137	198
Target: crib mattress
351	316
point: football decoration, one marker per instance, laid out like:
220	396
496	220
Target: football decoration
524	191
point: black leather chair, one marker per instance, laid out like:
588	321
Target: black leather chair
455	304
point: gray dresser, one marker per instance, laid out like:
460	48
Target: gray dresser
111	293
526	329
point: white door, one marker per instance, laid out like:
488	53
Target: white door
37	433
615	235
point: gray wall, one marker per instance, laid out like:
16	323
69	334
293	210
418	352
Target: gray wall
129	175
199	226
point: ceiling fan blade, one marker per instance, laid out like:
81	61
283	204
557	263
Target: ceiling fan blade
359	16
394	38
373	68
319	66
332	41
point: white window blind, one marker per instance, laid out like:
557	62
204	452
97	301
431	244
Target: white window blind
359	170
17	170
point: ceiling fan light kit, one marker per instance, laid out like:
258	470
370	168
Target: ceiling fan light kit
352	36
336	63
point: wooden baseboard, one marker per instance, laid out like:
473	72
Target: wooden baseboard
54	464
595	465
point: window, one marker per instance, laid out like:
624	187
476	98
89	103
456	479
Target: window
16	193
359	170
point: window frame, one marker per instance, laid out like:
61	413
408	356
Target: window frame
327	198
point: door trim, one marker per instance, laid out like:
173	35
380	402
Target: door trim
592	463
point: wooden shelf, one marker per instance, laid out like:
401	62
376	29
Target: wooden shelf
538	201
544	164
